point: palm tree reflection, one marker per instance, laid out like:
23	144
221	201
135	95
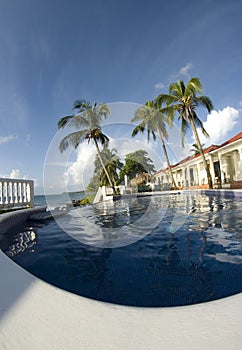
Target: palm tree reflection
25	240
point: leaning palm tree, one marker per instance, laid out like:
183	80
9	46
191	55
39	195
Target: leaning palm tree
152	120
112	164
87	120
184	101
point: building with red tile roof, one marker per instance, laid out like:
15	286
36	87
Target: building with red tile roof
225	165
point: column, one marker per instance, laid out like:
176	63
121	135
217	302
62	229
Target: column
211	168
188	177
15	193
240	164
197	174
10	192
19	193
1	192
236	161
30	193
183	179
23	193
221	168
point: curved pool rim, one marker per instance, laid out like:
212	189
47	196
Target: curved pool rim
13	219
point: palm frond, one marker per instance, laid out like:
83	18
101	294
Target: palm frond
170	112
154	135
204	101
166	99
199	124
184	128
103	110
193	87
73	139
173	87
81	105
64	121
177	89
137	129
102	138
80	121
140	114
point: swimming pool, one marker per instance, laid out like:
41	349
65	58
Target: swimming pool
167	250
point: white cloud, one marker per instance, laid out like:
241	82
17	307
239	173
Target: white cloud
218	125
16	174
125	146
6	139
80	171
159	86
185	70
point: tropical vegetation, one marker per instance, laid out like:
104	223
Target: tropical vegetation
152	120
195	150
184	100
87	121
112	164
136	163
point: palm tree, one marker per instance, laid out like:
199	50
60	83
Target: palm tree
152	120
112	164
195	149
184	100
87	120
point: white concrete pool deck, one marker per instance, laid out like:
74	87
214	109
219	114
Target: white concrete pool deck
36	315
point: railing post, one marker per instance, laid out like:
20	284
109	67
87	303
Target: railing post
31	193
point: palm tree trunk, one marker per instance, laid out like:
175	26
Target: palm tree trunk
103	166
210	183
167	159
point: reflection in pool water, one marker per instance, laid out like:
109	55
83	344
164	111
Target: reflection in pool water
192	254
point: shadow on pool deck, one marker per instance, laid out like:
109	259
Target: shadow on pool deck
13	284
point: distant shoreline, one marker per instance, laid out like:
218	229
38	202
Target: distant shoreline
60	194
56	200
75	192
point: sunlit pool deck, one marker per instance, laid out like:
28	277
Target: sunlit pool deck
36	315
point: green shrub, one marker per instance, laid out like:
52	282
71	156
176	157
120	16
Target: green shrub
87	200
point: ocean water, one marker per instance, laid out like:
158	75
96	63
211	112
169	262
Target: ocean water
57	200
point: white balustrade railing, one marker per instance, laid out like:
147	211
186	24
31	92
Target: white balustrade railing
15	193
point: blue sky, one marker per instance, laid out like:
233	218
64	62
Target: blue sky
54	52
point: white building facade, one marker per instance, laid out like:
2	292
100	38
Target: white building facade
224	162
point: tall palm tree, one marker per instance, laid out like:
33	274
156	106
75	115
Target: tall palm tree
152	120
87	120
184	101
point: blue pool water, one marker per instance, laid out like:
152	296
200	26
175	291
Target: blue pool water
181	250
